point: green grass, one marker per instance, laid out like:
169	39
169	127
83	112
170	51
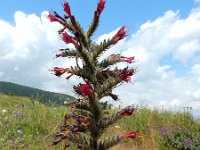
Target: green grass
35	120
27	124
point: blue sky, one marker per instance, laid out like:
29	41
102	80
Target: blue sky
118	12
164	36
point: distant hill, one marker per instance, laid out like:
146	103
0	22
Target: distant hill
40	95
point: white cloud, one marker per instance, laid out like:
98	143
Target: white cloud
26	53
157	84
16	68
198	1
27	49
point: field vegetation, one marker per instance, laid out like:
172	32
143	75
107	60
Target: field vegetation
29	124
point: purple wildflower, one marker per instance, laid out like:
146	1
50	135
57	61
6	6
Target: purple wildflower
187	142
12	139
20	113
164	132
14	114
17	105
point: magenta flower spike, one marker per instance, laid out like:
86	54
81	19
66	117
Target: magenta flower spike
68	39
53	18
131	135
121	33
100	7
67	9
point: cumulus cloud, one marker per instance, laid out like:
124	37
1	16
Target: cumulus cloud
160	84
27	47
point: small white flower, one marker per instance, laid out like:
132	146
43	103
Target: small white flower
54	108
20	132
2	139
117	127
65	102
4	111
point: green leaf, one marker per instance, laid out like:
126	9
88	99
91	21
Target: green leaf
93	26
108	143
106	86
80	139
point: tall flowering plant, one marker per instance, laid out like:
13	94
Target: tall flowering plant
88	118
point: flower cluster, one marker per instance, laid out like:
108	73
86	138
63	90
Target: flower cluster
12	126
18	113
55	17
99	78
181	138
85	90
187	142
164	132
126	74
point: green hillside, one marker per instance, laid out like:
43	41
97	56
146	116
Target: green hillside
26	124
41	95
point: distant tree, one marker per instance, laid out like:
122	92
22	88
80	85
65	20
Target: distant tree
89	118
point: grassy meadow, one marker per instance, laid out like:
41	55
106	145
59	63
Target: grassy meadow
29	125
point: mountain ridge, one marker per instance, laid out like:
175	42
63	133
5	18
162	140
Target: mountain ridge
43	96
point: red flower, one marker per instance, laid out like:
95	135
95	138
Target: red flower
68	39
120	34
67	9
126	74
127	59
53	18
59	71
131	135
100	7
85	90
128	111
